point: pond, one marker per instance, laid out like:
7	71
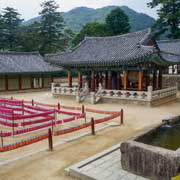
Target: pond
166	137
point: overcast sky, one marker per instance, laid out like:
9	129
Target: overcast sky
30	8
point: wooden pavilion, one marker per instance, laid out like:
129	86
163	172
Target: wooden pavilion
130	62
25	71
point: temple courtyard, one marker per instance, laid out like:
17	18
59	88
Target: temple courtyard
36	162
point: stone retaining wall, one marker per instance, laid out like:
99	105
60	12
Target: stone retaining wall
171	80
149	161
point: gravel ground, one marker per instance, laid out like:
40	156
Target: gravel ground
50	165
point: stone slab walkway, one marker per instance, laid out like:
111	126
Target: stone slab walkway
104	165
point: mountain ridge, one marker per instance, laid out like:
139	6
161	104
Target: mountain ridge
78	17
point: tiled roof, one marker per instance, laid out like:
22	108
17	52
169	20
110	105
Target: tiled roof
169	46
114	50
13	62
170	50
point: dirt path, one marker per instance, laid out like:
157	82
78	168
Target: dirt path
50	166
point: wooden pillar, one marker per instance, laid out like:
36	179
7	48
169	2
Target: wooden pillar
32	83
69	79
140	80
160	79
118	81
52	78
89	80
80	79
20	82
97	80
109	80
6	83
42	77
125	80
148	80
93	81
106	80
154	79
101	78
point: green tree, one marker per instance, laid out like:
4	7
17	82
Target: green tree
90	29
30	37
1	33
52	26
68	37
169	17
117	22
11	22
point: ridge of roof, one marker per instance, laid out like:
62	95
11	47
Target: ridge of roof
168	41
116	36
19	53
164	52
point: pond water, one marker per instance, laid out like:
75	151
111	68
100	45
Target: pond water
166	137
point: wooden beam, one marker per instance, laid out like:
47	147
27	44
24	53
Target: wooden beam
140	80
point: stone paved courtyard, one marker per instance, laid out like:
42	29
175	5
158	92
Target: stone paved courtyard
103	166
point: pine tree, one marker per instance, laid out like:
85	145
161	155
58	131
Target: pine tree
30	37
93	29
169	17
52	26
1	33
117	22
11	22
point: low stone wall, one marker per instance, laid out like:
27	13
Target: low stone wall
171	80
149	161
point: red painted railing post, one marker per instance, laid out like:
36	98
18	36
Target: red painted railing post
59	106
2	142
83	109
23	107
85	119
32	102
83	112
50	140
92	126
13	122
122	116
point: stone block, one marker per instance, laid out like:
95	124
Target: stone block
149	161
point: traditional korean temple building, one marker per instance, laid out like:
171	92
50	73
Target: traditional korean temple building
124	67
25	71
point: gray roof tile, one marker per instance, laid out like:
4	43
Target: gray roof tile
170	50
112	50
13	62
